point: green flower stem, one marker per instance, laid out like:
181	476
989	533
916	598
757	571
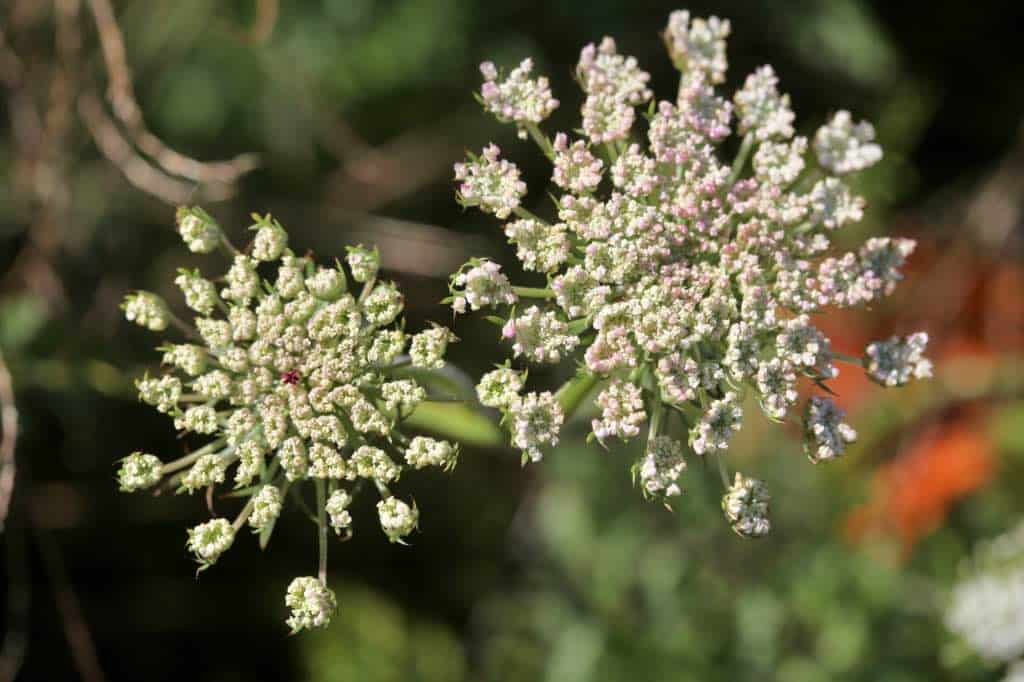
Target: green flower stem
228	246
368	287
741	158
533	292
182	326
723	471
843	357
657	412
242	515
529	215
321	522
541	139
572	392
613	152
183	462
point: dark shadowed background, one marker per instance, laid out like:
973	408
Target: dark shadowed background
560	571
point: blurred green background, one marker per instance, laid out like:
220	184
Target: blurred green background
560	571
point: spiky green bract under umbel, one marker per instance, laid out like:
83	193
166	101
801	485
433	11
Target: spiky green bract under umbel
682	282
292	383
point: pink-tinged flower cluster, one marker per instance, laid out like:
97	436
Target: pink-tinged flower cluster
687	284
518	98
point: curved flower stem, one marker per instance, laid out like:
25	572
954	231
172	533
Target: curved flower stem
533	292
321	521
183	327
541	139
741	158
848	358
572	392
189	459
723	471
242	515
228	246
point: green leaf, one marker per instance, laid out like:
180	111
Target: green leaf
447	382
572	392
457	421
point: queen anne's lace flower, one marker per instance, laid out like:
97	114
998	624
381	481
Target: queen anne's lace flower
686	281
295	381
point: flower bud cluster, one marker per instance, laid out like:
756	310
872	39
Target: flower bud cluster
687	285
296	383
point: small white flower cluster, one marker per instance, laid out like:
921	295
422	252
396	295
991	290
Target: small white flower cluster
518	98
898	360
826	435
293	381
745	505
986	607
661	467
312	604
686	283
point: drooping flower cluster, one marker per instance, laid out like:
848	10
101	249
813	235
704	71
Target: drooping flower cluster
986	607
685	284
299	387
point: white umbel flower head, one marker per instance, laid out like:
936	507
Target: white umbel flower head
424	452
397	519
311	602
698	46
146	310
536	419
479	284
209	540
717	426
266	507
296	383
198	230
491	183
139	471
844	147
270	241
363	262
622	411
746	507
500	387
337	510
517	98
428	348
688	278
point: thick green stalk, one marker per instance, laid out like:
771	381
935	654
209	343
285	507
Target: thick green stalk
572	392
